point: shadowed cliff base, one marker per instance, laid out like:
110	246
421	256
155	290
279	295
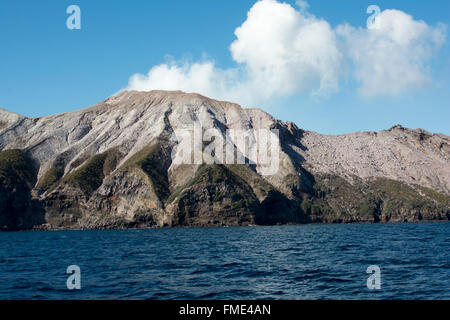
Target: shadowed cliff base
113	166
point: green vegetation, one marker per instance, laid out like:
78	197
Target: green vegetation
112	159
50	179
398	195
80	160
391	188
436	196
18	173
216	193
151	161
16	167
316	207
90	176
209	174
259	185
335	198
214	173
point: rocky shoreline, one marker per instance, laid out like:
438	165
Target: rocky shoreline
113	166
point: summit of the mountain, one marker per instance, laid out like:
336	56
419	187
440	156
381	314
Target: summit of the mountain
115	164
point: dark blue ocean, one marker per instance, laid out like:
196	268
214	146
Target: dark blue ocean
281	262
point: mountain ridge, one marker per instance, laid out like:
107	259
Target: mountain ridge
112	165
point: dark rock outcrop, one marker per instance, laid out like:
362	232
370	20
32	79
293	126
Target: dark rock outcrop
18	210
112	166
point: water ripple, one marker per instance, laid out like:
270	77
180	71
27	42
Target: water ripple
282	262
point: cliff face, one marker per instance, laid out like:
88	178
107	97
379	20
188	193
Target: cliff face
115	165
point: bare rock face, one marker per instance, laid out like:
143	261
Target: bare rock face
412	156
114	165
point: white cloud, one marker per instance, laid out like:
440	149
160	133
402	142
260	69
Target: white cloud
200	77
302	4
280	50
285	51
392	56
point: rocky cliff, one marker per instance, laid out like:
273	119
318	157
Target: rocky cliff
114	165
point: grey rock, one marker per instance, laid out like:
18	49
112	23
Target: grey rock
110	166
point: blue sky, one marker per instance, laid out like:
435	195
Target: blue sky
46	68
